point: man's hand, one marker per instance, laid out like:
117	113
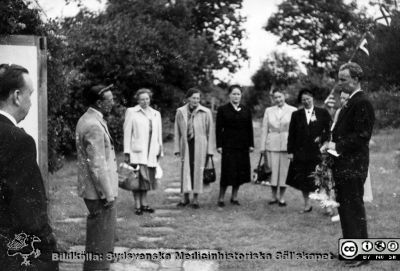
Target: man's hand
219	150
330	101
290	156
251	149
108	203
324	147
127	158
332	146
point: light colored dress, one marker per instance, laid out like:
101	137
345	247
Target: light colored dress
275	131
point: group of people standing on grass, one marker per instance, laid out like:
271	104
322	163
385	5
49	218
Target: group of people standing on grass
291	140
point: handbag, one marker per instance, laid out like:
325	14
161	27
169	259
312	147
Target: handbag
128	177
262	173
209	175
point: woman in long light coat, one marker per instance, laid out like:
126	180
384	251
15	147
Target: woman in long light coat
194	141
143	145
275	130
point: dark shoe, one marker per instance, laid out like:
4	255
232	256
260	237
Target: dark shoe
147	209
138	211
306	210
272	202
282	204
221	204
235	202
195	206
183	204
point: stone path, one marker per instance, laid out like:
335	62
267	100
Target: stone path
150	260
131	259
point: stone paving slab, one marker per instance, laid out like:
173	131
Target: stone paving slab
130	264
200	266
72	220
82	220
125	267
174	198
166	206
173	190
158	229
166	212
174	185
150	239
163	219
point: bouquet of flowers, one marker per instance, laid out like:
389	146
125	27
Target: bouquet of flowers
324	180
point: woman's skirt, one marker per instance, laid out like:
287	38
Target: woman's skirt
235	167
147	178
278	162
299	176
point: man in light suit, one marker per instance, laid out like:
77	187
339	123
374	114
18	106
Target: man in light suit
350	139
97	175
23	201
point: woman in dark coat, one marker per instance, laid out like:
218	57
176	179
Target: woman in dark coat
234	130
308	127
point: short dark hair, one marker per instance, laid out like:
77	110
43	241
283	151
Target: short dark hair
11	79
95	93
354	69
304	91
192	91
279	89
231	88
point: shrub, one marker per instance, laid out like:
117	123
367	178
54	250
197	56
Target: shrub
387	107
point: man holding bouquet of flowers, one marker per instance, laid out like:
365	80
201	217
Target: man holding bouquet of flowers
350	139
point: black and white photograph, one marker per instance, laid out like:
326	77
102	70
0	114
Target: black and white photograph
199	135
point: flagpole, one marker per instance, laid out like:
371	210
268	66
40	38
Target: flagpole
358	46
383	11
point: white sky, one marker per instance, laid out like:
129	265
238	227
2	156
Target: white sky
259	43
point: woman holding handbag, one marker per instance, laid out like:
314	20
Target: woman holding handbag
193	143
143	146
274	144
234	129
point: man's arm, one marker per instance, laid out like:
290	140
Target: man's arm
292	134
94	146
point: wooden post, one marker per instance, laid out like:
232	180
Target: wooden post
30	52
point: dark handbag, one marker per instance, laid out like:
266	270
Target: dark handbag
128	177
262	173
209	175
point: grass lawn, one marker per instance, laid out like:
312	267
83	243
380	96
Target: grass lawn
252	227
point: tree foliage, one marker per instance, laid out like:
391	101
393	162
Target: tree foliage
167	47
278	71
325	29
382	66
17	17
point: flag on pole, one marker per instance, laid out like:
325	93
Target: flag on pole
363	47
386	18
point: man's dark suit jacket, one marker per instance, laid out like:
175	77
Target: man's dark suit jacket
23	202
302	136
351	134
